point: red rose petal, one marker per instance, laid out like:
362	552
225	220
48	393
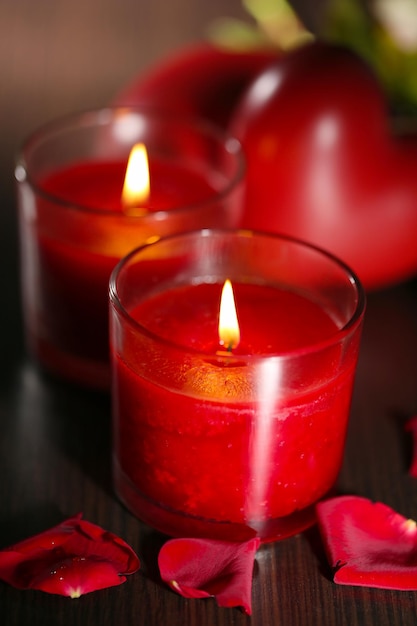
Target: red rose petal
411	426
368	543
71	559
199	568
72	576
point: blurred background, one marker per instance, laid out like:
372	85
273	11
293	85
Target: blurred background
58	56
61	56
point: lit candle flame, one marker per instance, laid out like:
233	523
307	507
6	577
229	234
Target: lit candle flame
229	333
136	188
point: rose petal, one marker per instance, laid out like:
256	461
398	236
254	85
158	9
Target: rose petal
411	426
199	568
72	558
368	543
73	576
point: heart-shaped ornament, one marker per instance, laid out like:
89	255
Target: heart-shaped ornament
324	164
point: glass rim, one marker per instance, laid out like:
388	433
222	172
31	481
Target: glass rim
349	327
230	144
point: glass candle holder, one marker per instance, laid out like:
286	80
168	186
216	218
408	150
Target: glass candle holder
242	439
75	225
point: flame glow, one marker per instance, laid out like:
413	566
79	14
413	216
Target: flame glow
229	333
136	188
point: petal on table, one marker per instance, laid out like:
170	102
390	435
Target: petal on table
199	568
71	559
368	543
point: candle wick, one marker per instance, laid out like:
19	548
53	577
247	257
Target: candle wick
227	349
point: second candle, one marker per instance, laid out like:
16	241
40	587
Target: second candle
80	211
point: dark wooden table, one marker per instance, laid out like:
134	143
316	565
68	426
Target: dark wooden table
55	446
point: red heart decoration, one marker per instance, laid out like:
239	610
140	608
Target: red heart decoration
324	164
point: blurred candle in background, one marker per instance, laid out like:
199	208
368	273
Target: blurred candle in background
77	219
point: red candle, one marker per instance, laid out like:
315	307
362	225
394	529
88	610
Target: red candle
74	271
229	443
75	226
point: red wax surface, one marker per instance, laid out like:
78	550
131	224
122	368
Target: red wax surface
98	185
271	320
74	252
216	442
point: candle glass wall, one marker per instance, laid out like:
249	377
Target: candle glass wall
75	226
231	441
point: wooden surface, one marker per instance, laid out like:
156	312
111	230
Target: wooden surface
58	56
